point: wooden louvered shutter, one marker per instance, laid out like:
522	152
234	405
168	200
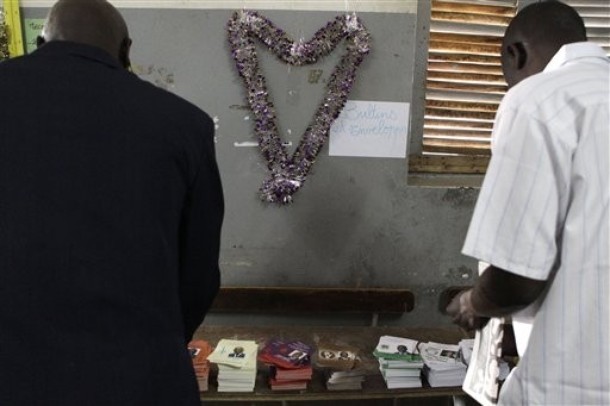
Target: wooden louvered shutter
464	79
596	14
464	84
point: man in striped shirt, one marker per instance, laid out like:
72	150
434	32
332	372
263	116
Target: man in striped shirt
541	220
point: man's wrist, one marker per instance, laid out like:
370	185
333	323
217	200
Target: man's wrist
480	304
466	302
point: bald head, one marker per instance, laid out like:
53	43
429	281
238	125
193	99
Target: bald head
535	35
91	22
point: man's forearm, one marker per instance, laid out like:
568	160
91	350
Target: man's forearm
499	293
485	306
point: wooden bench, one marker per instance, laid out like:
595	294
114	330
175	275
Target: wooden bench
304	301
321	302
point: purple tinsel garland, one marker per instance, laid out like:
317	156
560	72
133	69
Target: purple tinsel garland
289	173
4	54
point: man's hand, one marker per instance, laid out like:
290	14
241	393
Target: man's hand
497	293
462	312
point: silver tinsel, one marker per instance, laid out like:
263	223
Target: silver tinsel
288	173
3	38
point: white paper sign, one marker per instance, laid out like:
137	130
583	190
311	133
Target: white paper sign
371	129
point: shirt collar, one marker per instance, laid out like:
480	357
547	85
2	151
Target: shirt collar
576	50
79	50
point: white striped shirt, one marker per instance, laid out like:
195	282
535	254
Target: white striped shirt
542	213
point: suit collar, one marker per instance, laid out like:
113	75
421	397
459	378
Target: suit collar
67	48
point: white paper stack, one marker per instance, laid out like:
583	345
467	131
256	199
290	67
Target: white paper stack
236	361
443	365
466	346
399	362
342	366
345	380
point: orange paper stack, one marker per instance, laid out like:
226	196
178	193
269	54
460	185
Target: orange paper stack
199	350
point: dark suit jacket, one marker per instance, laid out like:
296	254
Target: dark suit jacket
110	214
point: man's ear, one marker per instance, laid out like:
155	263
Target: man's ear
124	53
521	54
40	41
517	55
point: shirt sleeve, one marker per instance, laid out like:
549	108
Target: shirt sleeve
515	222
201	224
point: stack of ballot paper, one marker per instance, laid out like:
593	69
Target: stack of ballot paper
344	380
289	379
290	363
399	362
236	361
341	365
466	346
199	351
443	364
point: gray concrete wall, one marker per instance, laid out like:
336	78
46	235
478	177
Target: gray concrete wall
356	222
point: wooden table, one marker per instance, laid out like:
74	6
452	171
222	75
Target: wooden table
363	338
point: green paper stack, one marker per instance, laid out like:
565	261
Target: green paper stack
399	362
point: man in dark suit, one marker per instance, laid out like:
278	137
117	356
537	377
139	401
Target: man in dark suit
111	208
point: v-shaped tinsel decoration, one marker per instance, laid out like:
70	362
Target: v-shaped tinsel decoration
288	173
4	54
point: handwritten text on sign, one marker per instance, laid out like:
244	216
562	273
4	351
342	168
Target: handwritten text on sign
371	129
33	28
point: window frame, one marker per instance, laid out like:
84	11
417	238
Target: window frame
459	170
470	168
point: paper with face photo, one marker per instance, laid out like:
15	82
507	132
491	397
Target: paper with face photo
336	357
396	345
234	353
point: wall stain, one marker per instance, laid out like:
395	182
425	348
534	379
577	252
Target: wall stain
160	76
239	107
460	274
460	197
